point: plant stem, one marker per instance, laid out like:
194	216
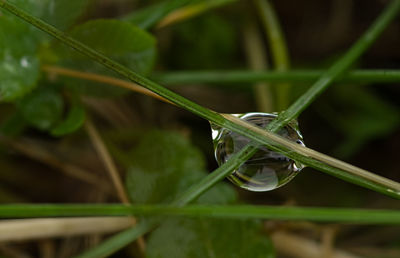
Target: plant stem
170	12
358	216
35	151
207	182
277	43
257	59
120	240
111	168
292	76
250	131
190	11
108	162
147	17
354	177
232	76
56	70
39	228
318	161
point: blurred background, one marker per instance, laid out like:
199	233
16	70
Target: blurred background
357	123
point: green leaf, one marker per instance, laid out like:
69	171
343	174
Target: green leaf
42	108
19	43
73	121
163	165
181	238
19	65
61	13
120	41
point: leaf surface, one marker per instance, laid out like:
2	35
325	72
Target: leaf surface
74	120
164	165
19	64
42	108
120	41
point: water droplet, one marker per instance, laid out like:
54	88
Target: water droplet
265	170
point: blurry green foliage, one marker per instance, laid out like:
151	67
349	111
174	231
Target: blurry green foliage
61	13
18	46
206	42
198	238
73	120
162	161
360	115
19	43
148	16
42	108
164	164
119	40
22	47
122	41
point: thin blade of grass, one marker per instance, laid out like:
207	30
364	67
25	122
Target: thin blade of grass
190	11
343	215
292	76
328	77
248	130
120	240
337	69
278	47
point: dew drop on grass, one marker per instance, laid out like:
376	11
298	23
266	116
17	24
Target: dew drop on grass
265	170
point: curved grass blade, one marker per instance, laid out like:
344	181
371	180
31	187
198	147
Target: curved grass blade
337	69
392	189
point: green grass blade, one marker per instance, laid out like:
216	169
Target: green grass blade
149	16
292	76
343	215
191	10
318	87
118	241
277	43
114	243
257	59
340	66
250	131
206	183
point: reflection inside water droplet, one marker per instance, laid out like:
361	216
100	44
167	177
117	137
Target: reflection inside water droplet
265	170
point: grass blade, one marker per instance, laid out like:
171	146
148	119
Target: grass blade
278	46
292	76
118	241
357	216
248	130
294	110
